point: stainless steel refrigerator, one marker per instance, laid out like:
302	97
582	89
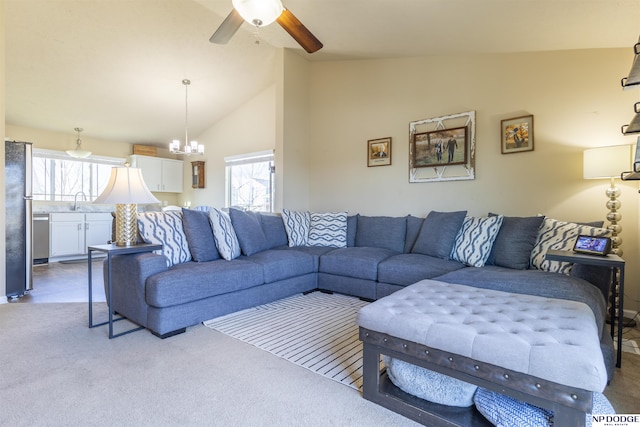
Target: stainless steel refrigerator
18	204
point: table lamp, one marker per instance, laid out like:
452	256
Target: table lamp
126	189
609	163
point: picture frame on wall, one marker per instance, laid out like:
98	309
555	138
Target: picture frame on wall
516	135
379	152
442	147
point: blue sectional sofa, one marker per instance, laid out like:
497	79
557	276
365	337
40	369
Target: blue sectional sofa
191	281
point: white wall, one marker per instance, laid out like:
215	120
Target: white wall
576	100
249	129
3	252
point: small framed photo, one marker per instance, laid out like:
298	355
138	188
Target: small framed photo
517	135
379	152
440	148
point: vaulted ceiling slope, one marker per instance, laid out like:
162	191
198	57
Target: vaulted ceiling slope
114	67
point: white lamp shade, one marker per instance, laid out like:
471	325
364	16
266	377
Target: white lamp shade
606	162
262	11
126	186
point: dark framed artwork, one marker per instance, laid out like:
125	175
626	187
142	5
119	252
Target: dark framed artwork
516	135
440	147
379	152
443	148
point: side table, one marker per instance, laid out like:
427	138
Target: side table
110	250
612	261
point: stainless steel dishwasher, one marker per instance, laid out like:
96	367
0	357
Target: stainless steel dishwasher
40	239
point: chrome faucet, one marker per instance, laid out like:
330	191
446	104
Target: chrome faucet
75	199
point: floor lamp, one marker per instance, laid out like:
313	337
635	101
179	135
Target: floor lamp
126	189
609	163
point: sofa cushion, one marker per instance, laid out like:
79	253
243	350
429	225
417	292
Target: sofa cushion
273	229
297	226
328	229
414	224
224	234
283	264
193	281
559	235
429	385
515	241
165	228
475	239
358	262
381	232
407	269
438	233
314	251
507	411
248	231
199	234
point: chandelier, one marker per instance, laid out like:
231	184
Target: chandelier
190	147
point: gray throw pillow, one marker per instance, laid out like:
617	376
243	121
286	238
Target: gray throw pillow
352	228
249	231
382	232
199	235
438	233
514	243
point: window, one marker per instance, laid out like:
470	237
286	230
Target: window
250	181
58	177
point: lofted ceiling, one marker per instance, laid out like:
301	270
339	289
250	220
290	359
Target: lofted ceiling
114	67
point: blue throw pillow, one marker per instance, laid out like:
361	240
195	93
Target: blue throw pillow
352	228
507	411
249	231
199	234
382	232
438	233
514	243
273	228
414	224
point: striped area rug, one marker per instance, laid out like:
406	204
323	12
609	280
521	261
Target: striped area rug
317	331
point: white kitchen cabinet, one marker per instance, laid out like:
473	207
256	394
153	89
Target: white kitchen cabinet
71	233
160	175
97	228
66	234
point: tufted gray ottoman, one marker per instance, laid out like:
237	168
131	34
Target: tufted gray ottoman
543	351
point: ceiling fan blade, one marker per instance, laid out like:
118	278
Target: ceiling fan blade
299	32
228	28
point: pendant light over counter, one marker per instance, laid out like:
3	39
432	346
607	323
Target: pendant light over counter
78	152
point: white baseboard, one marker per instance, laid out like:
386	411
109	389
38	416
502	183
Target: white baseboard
3	300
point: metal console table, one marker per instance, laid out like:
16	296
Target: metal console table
110	250
611	261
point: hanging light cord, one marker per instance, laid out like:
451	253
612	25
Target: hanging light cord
186	83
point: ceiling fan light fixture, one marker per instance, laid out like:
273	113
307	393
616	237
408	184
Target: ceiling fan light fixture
258	12
78	152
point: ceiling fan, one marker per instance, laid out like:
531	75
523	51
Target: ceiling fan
261	13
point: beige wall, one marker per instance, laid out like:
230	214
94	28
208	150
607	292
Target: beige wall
65	141
576	100
3	275
249	129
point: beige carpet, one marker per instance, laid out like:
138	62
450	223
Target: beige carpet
54	371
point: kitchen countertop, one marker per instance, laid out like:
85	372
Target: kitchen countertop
40	207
